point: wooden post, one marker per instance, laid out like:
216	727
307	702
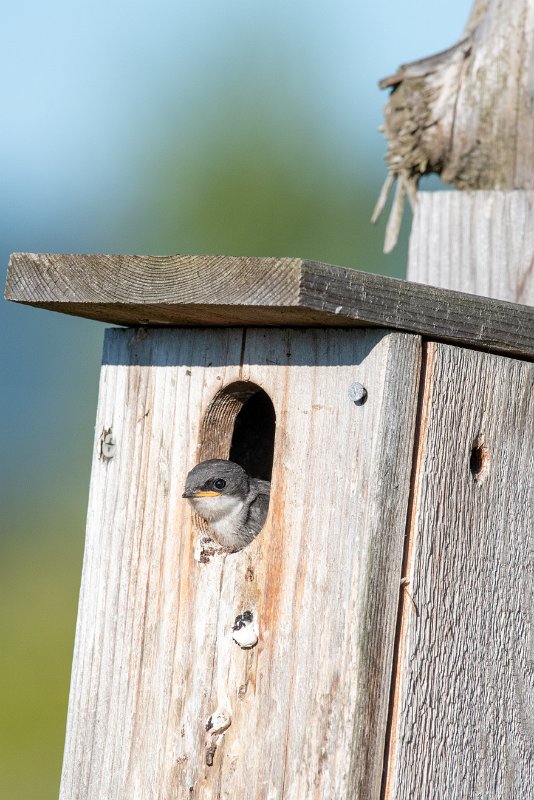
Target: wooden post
461	710
467	115
480	242
389	587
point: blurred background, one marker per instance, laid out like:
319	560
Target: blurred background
166	127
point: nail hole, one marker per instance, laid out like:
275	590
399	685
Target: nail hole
479	459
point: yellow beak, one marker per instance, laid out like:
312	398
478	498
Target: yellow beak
207	494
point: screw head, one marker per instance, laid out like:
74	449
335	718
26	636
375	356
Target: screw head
358	393
108	445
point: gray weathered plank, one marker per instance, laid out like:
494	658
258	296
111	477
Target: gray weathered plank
478	242
437	313
219	290
463	721
154	655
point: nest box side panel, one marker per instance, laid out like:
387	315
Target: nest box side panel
464	709
164	703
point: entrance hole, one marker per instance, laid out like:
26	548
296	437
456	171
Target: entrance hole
240	425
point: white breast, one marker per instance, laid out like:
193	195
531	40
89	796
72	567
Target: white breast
224	515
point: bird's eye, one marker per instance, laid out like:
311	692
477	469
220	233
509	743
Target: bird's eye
219	484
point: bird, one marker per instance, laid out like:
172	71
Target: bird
233	503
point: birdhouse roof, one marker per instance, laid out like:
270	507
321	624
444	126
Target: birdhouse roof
236	291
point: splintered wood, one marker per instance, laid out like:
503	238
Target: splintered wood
160	690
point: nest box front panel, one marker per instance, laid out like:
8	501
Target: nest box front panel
261	673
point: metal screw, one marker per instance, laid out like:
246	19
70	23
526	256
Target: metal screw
108	445
358	393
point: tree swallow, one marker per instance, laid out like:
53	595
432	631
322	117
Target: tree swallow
233	504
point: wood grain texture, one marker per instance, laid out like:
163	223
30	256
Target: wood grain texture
466	113
478	242
224	290
464	706
154	655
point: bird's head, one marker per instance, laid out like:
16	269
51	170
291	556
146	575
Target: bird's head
216	478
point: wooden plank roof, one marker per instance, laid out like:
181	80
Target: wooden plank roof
230	290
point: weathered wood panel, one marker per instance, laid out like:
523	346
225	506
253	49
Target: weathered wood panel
463	722
226	290
154	655
479	242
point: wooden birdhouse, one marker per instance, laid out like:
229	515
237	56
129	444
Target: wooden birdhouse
373	636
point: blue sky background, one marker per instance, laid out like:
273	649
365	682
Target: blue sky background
236	127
